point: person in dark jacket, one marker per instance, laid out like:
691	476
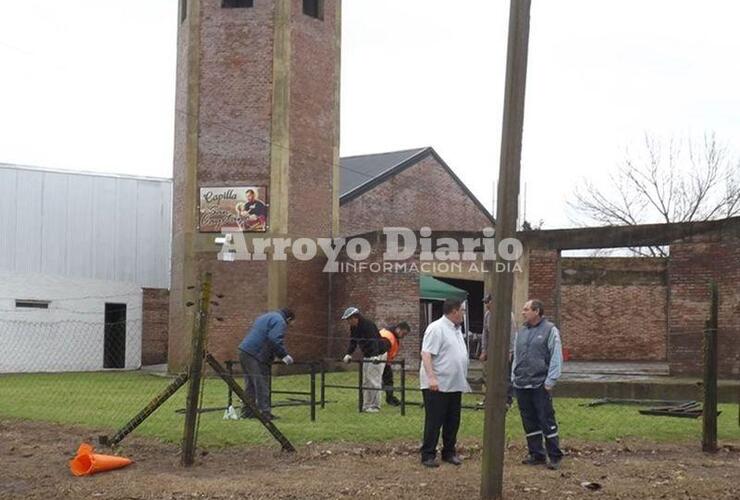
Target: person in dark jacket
365	335
392	335
260	347
538	359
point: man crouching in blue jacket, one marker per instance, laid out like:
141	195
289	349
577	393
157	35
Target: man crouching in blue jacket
262	344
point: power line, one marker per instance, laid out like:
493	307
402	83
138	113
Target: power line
305	153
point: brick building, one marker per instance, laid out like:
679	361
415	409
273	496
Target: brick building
79	254
413	188
641	309
257	105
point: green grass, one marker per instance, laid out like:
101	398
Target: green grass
105	401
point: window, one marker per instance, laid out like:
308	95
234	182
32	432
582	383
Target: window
236	4
31	304
183	10
314	8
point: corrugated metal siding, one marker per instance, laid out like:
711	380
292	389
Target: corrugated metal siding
85	226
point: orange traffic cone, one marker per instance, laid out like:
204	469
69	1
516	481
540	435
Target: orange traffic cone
86	462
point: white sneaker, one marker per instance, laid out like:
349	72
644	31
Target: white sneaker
230	414
371	410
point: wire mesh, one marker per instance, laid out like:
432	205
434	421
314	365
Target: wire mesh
61	372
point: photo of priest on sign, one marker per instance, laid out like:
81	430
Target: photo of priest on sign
238	208
252	214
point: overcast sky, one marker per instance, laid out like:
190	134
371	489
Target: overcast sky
89	85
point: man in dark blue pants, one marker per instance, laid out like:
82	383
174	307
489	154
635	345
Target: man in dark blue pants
536	367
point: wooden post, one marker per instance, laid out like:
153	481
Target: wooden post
155	403
709	415
287	446
195	371
502	284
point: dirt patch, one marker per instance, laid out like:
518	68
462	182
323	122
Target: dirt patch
35	465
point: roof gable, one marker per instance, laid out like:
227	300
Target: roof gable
360	174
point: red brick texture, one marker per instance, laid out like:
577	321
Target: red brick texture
155	324
384	298
308	296
422	195
244	287
645	309
235	94
693	265
544	279
235	85
614	308
313	118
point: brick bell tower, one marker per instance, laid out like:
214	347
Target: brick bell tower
257	104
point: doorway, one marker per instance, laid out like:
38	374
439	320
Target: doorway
114	351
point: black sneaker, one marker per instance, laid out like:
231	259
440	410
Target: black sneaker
393	401
430	462
269	416
530	460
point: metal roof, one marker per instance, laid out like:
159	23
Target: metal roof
357	171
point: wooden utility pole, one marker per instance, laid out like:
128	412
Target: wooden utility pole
195	371
502	283
709	415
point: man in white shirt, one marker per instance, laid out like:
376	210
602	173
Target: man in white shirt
443	372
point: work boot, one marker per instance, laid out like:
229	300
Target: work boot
554	465
532	460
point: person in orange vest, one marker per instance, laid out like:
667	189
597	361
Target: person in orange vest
392	335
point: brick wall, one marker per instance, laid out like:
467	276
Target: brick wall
422	195
244	287
155	323
313	118
234	145
384	298
646	309
235	94
614	308
693	265
308	296
544	279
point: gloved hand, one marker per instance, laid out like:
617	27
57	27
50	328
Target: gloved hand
347	358
288	359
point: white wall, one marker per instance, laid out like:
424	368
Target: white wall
69	336
81	225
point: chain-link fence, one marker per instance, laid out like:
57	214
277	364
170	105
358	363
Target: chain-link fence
86	374
81	372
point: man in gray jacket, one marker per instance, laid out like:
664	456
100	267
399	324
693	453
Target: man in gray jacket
538	358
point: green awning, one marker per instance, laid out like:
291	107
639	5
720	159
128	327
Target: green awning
434	289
